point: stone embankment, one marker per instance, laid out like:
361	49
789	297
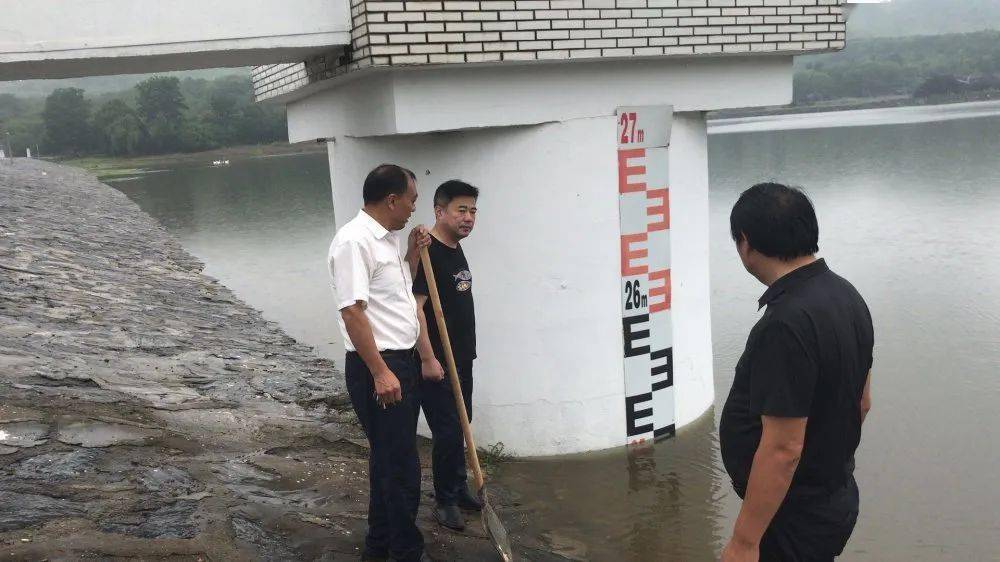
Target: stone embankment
147	413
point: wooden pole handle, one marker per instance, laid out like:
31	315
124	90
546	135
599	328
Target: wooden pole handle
449	357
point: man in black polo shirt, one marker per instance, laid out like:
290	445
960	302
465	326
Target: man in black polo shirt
455	213
793	418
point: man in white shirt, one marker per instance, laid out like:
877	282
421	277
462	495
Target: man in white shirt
378	321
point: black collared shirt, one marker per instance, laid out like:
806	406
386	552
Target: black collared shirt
808	356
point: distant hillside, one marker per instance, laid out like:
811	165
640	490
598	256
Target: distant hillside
924	17
872	68
95	85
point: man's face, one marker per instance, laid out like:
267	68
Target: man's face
402	206
458	216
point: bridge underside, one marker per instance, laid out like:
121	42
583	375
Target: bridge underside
45	39
97	65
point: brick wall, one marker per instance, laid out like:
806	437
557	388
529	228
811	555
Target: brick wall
391	33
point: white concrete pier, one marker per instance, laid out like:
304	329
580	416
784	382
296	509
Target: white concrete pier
547	252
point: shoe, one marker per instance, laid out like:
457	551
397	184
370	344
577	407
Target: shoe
423	558
449	516
374	557
467	501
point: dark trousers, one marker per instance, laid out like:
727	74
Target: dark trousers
448	456
812	529
393	465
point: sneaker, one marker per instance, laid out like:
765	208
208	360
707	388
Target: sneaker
449	516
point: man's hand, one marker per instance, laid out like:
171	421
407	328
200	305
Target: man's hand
431	369
387	389
736	551
420	237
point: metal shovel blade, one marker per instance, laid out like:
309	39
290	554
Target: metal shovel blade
495	529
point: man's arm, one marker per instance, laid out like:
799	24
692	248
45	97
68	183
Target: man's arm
413	260
866	398
771	474
430	367
360	331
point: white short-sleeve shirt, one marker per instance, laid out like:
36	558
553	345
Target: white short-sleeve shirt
365	266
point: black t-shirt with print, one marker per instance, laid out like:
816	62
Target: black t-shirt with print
454	282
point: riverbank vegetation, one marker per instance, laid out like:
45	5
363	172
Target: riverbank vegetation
160	115
112	167
170	114
927	69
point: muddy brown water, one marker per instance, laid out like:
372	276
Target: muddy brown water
909	211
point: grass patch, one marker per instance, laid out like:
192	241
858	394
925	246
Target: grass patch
491	457
106	168
110	167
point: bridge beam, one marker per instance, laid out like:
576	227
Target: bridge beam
68	38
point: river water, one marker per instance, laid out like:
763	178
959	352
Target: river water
909	209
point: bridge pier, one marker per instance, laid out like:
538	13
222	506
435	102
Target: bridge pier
573	221
546	264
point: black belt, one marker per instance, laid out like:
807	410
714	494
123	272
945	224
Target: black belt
392	352
399	352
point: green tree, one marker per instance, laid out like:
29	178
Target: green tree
161	107
196	136
939	86
221	117
160	97
118	129
197	92
10	107
260	123
165	136
228	99
67	122
26	132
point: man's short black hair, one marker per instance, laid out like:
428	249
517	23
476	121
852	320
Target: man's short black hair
452	189
778	221
384	180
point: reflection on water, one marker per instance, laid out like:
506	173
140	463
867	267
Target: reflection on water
909	213
664	502
857	118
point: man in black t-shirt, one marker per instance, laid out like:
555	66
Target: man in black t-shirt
455	213
793	418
